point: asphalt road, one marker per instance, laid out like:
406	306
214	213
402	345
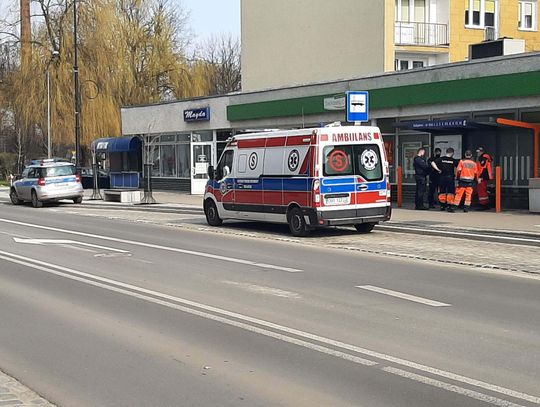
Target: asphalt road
98	312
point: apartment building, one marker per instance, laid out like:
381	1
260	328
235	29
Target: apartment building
288	42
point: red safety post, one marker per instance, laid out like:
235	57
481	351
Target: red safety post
399	186
498	189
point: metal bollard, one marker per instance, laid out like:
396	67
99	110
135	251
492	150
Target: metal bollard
399	186
498	208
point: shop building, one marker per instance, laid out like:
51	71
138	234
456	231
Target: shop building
457	105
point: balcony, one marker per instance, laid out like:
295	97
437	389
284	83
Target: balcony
423	34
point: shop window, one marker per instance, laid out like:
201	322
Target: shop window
155	162
527	15
168	161
202	136
168	138
184	158
480	13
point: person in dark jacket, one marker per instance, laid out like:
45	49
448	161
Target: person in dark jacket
434	180
421	171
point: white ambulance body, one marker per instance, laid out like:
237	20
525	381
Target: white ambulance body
306	178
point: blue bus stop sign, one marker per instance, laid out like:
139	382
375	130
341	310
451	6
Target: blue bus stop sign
357	106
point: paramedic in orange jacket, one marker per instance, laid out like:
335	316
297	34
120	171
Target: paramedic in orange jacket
467	174
485	173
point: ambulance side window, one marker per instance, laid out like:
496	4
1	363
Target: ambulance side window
242	163
225	165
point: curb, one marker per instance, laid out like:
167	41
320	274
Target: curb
493	236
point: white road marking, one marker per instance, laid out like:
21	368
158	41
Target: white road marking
155	246
451	387
260	289
39	265
403	296
50	268
14	235
63	242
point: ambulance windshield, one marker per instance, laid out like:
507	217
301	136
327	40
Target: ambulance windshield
357	159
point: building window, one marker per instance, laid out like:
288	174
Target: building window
480	13
527	15
405	64
412	11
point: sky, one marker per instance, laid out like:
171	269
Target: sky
210	17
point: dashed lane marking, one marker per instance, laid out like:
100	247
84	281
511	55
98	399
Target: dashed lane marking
403	296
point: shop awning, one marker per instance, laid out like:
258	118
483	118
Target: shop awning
445	125
117	145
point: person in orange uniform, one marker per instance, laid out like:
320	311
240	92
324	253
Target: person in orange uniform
466	174
485	173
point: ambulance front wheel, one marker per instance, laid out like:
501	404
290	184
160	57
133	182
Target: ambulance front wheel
364	227
297	223
212	214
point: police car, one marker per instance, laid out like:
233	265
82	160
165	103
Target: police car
47	181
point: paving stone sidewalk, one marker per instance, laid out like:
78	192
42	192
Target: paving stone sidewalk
15	394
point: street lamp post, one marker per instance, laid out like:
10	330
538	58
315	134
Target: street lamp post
77	92
54	57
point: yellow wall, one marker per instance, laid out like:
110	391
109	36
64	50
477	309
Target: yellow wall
461	37
389	37
509	26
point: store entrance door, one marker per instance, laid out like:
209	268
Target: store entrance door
201	157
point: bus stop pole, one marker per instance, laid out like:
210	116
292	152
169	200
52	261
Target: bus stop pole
498	208
399	186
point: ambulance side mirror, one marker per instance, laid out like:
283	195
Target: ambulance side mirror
211	172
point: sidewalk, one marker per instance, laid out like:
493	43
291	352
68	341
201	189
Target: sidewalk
15	394
511	222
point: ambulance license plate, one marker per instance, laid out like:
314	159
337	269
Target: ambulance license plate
337	199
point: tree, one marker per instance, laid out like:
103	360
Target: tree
131	52
220	63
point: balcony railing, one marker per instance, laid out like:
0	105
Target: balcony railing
431	34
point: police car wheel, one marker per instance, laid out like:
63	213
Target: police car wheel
77	200
364	227
211	213
36	203
297	223
14	197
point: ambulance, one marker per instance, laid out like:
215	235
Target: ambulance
309	178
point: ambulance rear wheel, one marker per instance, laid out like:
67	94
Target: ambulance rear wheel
212	214
364	227
297	223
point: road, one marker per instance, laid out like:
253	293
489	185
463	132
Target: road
104	312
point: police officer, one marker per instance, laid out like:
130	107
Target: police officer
466	175
434	179
421	171
446	167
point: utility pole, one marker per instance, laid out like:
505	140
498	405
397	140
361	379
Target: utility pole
26	34
77	92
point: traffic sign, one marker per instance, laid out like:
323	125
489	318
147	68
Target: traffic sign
357	106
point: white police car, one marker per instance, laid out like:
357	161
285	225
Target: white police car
47	181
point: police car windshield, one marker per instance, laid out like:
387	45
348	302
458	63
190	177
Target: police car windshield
60	171
357	159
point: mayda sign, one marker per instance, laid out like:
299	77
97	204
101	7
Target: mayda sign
197	115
